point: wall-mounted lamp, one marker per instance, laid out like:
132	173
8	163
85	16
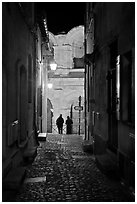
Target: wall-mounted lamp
50	85
53	66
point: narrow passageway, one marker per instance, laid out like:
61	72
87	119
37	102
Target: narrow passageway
63	172
70	83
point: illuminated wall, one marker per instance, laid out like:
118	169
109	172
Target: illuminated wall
67	46
68	83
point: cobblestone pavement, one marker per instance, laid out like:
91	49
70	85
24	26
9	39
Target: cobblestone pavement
62	172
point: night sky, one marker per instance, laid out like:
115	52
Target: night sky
62	16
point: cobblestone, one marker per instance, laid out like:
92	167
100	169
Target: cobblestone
71	175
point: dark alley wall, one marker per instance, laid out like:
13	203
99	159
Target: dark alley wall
113	83
18	55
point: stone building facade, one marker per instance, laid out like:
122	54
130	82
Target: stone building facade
22	56
110	86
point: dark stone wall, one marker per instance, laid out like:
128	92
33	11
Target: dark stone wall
114	22
17	52
115	19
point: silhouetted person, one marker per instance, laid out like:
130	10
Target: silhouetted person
59	123
69	123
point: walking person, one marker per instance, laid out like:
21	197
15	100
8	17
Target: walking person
59	123
69	123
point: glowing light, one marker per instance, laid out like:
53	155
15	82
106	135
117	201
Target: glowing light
53	66
50	85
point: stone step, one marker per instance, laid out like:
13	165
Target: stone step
42	136
14	178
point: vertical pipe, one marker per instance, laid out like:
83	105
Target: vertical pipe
79	113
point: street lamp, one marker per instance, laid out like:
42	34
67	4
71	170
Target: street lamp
50	85
53	66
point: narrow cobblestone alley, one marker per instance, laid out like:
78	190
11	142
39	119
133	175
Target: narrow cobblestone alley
63	172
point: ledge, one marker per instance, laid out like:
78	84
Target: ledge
42	136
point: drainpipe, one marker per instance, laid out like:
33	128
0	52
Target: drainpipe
85	81
79	113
